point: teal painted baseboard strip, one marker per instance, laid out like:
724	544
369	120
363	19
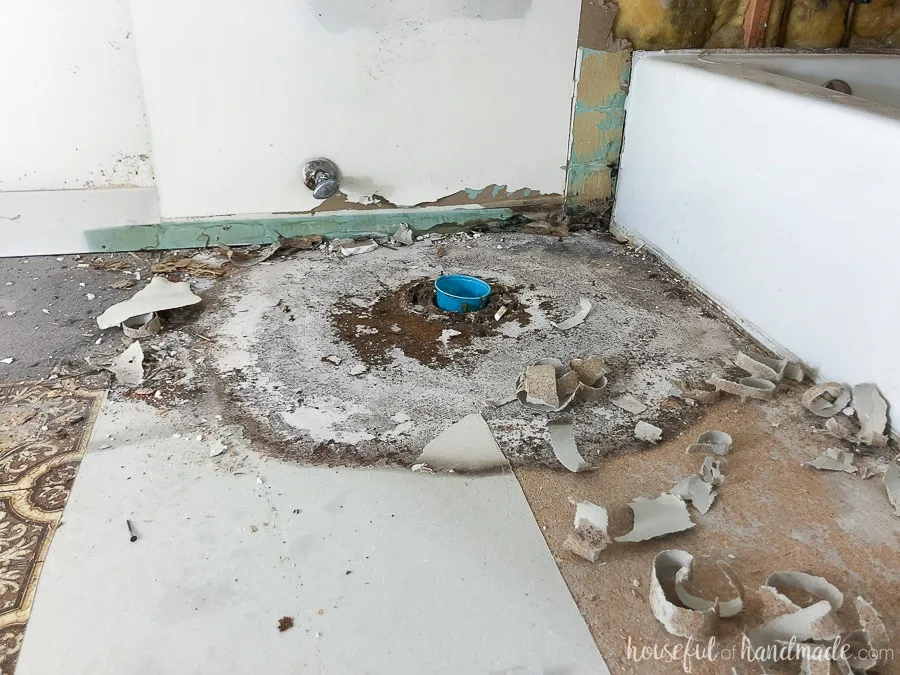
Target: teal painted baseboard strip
265	230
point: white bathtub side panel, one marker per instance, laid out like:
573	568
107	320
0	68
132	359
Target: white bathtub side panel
783	207
413	100
72	115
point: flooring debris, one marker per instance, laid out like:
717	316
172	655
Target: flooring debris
871	411
589	537
582	379
725	609
467	445
697	491
645	431
686	391
658	517
248	257
746	387
128	367
348	248
199	265
403	236
875	632
160	294
826	399
711	443
833	459
585	307
562	440
142	326
670	567
767	368
629	403
892	483
711	471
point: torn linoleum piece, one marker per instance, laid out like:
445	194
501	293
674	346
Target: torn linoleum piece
767	368
680	621
128	367
833	459
711	471
160	294
348	248
590	535
578	318
645	431
874	629
686	391
658	517
892	484
403	236
826	399
697	491
871	411
583	380
143	326
562	440
711	442
746	387
725	608
467	445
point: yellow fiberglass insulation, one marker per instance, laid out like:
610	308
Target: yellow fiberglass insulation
718	24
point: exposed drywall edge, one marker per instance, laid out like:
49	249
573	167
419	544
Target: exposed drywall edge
266	229
623	233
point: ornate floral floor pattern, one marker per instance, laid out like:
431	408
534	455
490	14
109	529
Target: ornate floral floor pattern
44	428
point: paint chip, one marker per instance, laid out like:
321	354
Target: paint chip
658	517
467	445
7	360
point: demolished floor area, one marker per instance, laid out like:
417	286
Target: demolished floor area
261	479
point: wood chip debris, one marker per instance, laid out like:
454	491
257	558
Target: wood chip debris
562	440
711	443
589	537
160	294
578	318
833	459
826	399
658	517
645	431
467	446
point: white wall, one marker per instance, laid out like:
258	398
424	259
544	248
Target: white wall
414	100
72	112
779	198
874	77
